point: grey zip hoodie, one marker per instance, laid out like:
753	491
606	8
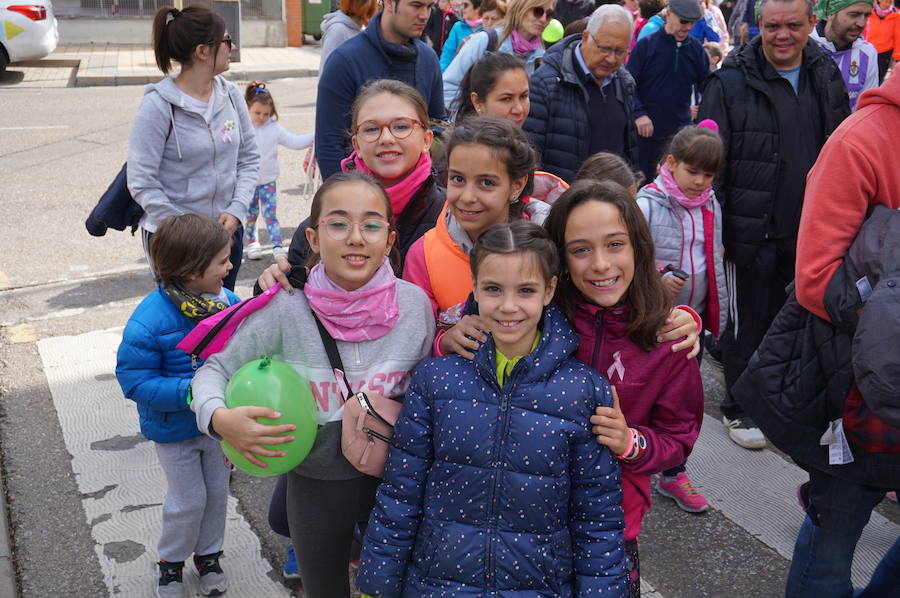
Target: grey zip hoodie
196	168
285	330
337	27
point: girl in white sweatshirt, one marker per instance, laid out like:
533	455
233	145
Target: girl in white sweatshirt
269	135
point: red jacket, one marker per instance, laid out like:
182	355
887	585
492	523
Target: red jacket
856	169
660	393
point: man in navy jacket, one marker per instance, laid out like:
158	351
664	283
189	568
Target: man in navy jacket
667	66
389	48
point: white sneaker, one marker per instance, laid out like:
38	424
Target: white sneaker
254	250
279	251
743	432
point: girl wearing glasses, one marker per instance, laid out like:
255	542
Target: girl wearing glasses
382	326
520	34
192	148
391	139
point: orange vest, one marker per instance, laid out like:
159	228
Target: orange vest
447	265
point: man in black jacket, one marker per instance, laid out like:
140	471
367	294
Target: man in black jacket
581	96
776	100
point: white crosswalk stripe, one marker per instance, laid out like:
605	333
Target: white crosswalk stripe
118	473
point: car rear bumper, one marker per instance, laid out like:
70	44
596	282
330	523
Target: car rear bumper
42	41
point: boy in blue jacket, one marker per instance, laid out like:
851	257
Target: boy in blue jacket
190	255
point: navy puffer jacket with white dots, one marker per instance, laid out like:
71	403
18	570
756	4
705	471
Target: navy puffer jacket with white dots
499	491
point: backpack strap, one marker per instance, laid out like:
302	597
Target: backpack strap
334	357
493	38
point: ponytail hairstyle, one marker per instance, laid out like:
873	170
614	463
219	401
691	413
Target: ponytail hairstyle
177	33
698	146
650	304
331	184
606	166
257	92
520	236
481	78
507	143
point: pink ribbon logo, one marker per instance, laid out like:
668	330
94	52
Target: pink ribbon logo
617	367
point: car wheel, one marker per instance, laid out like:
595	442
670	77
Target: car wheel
4	59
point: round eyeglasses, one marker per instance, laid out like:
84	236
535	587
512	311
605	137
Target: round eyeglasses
400	128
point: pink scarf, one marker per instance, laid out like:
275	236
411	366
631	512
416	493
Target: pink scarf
365	314
882	12
473	23
403	191
672	188
522	46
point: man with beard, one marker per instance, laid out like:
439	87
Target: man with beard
389	48
841	22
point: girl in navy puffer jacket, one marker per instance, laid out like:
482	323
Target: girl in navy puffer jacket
495	484
156	375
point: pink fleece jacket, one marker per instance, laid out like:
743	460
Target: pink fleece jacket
660	393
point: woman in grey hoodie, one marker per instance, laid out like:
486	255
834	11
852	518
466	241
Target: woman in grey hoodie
192	147
341	25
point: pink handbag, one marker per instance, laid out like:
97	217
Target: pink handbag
367	432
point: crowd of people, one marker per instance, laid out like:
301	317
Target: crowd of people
530	242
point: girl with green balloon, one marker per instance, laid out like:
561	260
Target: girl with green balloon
382	326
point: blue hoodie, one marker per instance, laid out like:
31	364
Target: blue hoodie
361	59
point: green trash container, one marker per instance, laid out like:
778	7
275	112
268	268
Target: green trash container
313	12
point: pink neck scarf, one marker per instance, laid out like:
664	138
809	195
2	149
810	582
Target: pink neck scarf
473	23
365	314
522	46
672	188
882	12
402	192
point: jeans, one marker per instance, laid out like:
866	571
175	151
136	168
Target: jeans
823	554
885	582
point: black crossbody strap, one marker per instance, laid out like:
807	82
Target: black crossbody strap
334	358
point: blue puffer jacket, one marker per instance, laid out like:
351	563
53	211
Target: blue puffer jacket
154	373
502	492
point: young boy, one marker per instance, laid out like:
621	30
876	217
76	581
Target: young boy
190	254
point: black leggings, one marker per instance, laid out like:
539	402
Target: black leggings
321	516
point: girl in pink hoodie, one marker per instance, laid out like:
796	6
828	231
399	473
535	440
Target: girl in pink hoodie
610	289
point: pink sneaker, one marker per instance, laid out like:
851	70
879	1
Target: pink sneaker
682	491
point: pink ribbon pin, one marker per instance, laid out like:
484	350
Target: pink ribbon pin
617	367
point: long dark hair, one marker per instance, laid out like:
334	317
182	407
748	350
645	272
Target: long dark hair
650	304
481	78
519	236
176	33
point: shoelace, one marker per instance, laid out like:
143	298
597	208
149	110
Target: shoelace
210	565
689	489
169	575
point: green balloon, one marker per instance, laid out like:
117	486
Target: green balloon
553	32
278	386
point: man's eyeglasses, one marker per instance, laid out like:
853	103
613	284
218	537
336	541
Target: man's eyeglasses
687	21
400	128
538	12
605	51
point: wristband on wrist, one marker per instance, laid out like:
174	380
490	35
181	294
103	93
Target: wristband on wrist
626	454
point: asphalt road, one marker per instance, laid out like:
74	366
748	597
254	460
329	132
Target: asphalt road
59	149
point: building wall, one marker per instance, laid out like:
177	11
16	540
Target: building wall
123	31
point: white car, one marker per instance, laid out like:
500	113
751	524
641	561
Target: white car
27	30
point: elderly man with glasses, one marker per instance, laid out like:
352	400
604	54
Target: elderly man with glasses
667	67
581	96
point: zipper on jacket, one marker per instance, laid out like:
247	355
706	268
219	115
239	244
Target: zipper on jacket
212	199
598	335
677	52
356	347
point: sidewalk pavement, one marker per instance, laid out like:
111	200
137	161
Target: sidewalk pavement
110	65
